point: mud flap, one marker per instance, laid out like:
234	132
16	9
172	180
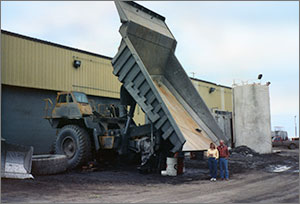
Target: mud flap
16	161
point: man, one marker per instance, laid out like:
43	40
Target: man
223	158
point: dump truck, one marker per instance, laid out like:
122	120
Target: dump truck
151	77
85	134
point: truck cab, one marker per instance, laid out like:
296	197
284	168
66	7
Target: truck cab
72	105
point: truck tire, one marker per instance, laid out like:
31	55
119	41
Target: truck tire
74	142
49	164
292	146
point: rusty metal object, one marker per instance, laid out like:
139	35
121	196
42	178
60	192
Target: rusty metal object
46	109
74	114
107	142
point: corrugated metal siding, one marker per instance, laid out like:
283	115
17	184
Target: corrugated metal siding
27	63
214	100
32	64
228	99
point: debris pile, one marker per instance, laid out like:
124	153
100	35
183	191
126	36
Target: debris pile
243	151
243	158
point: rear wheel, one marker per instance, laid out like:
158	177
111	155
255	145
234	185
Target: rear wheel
292	146
74	142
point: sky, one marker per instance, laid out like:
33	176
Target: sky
221	42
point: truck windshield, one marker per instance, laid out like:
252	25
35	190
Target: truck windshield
80	97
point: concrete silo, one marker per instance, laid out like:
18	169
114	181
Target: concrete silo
251	117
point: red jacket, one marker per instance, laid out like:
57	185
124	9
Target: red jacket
223	151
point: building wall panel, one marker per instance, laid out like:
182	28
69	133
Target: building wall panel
34	64
214	100
27	63
31	64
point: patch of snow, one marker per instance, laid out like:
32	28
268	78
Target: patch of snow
280	168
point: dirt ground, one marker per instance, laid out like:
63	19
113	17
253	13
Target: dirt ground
272	178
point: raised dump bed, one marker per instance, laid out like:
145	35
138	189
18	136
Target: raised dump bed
150	72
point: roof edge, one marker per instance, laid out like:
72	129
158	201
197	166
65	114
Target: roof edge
83	51
210	83
53	44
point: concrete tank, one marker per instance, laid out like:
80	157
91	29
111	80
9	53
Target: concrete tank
251	117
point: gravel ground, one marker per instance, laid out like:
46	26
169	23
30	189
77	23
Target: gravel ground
270	178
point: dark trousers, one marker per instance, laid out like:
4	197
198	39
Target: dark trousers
212	164
224	168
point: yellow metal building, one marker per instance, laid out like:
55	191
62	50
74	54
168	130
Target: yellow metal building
32	63
33	69
38	64
216	97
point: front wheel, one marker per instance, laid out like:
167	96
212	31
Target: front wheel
292	146
74	142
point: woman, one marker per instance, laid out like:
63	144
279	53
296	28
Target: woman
213	155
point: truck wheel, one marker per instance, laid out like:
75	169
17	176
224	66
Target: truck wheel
292	146
74	142
48	164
